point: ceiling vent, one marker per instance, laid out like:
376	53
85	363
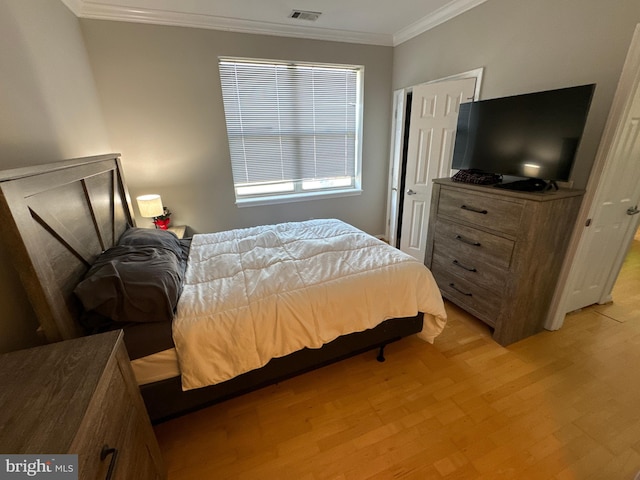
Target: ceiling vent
305	15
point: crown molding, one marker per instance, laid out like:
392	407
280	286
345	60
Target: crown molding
89	9
440	16
164	17
74	5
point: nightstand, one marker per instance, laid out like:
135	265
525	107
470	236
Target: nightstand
78	397
179	230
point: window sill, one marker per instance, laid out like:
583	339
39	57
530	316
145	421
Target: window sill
296	197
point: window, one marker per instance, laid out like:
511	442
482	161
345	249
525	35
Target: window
294	129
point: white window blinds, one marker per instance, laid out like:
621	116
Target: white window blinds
292	128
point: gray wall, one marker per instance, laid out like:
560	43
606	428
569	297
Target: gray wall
530	45
160	90
49	111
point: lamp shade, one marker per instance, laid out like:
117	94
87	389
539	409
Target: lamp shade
150	205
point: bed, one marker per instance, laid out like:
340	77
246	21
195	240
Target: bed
61	220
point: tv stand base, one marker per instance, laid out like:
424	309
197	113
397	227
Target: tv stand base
529	185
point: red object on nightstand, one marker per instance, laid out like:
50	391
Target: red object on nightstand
162	224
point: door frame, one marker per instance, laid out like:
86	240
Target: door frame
397	143
394	192
627	84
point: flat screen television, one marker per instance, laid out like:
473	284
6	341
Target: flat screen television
534	136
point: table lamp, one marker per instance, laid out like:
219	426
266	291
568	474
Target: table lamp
150	206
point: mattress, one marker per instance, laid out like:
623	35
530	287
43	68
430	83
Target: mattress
156	366
151	351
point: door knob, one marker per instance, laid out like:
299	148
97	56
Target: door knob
410	192
633	210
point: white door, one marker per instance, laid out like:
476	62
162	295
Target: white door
434	115
613	216
598	250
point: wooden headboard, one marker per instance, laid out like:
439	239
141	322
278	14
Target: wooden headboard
56	219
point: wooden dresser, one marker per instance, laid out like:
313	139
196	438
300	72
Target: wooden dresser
78	397
497	253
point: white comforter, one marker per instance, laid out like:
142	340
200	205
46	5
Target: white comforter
254	294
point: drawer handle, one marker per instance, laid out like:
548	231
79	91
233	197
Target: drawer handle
106	451
453	285
468	269
467	241
473	209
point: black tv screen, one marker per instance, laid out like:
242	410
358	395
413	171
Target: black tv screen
534	135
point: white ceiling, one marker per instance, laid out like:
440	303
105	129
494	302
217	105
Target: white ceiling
376	22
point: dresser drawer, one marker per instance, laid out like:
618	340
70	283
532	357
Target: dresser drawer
103	425
468	267
469	242
498	214
479	301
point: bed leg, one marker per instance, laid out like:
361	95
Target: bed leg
380	356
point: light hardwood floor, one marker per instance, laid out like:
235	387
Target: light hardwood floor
559	405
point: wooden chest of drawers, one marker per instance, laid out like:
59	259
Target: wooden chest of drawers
497	253
79	397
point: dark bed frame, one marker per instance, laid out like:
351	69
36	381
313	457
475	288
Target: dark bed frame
57	218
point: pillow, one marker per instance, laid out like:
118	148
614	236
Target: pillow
154	237
130	283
